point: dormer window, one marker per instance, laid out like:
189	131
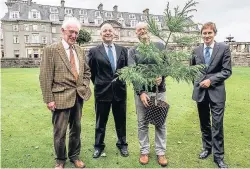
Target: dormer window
54	17
133	23
119	15
97	14
108	15
68	11
14	14
34	14
132	16
156	18
143	17
82	12
53	10
121	21
68	16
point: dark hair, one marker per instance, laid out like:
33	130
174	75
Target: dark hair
210	25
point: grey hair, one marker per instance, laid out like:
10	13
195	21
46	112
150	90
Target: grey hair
71	21
140	24
106	24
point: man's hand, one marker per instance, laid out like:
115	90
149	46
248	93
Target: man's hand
144	99
158	80
51	106
205	83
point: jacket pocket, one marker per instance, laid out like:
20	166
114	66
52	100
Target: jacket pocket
58	89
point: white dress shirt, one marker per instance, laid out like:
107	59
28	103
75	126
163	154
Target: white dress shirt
67	50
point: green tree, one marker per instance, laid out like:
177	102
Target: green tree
169	62
83	37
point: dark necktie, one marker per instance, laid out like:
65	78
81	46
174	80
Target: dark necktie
111	58
207	55
72	62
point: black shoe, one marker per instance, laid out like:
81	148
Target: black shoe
204	154
221	164
97	153
124	151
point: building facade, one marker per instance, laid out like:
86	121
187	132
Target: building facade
27	26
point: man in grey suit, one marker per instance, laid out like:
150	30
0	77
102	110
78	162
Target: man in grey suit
209	91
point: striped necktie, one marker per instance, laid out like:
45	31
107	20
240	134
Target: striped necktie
111	58
72	62
207	55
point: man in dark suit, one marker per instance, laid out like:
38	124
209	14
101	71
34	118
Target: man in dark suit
104	60
209	91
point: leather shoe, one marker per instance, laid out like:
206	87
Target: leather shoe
78	164
97	153
204	154
162	160
221	164
144	159
124	152
59	166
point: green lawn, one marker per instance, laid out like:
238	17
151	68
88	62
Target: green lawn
26	127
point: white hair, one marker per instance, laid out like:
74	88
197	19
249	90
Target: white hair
71	21
105	25
141	24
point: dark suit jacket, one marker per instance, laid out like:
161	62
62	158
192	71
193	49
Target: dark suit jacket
102	76
218	70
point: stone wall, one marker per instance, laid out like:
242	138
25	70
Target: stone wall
20	63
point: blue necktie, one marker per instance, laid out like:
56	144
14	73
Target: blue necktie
111	58
207	55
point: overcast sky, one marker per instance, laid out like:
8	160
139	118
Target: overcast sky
231	16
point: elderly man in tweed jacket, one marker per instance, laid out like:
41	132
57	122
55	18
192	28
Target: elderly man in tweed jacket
64	80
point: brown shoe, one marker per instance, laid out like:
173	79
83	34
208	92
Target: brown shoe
162	160
59	166
78	164
144	159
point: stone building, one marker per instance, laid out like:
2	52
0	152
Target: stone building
27	26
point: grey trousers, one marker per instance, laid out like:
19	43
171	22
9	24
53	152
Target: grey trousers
143	129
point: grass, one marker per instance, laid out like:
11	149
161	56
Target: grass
26	127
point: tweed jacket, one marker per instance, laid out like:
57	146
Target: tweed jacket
57	80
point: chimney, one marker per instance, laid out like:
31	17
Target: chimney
100	7
29	2
146	11
62	3
115	8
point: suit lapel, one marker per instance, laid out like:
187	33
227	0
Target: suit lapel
103	52
118	50
215	51
64	57
201	53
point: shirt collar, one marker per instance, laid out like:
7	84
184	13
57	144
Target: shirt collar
106	45
211	46
66	45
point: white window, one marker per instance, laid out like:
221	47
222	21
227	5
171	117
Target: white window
68	11
35	27
82	12
132	16
98	21
97	14
53	29
143	17
35	38
15	39
15	27
133	23
26	38
14	14
54	17
44	28
53	10
26	27
119	15
121	21
81	19
34	14
29	52
16	53
44	39
36	53
108	15
156	18
68	16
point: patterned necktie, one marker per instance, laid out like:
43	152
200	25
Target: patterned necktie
207	55
72	62
111	58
